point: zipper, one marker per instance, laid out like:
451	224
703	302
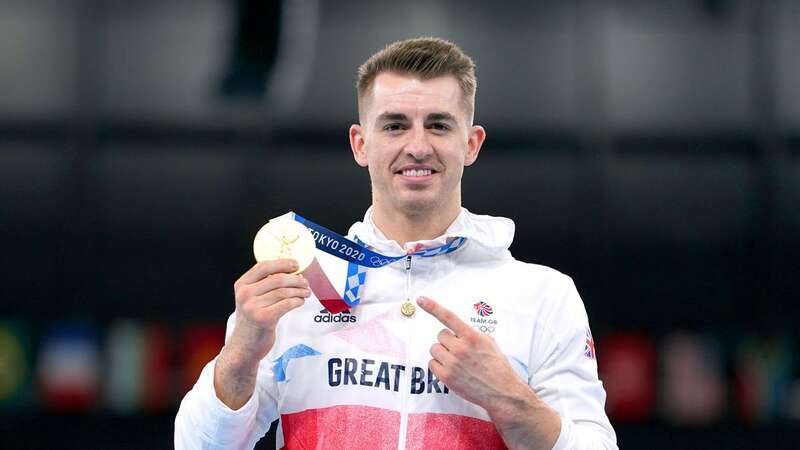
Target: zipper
408	277
405	386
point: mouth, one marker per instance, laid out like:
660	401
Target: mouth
419	171
417	176
416	173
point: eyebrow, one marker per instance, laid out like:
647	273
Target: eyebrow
389	116
439	116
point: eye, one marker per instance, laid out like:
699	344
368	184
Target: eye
392	127
440	126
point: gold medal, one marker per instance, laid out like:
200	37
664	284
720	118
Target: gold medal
408	309
283	237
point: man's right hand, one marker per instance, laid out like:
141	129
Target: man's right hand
264	294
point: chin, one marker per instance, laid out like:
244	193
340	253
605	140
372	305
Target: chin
415	206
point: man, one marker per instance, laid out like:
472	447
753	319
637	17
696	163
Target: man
500	354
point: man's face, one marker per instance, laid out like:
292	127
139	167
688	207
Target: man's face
415	137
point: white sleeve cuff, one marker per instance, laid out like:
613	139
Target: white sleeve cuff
563	441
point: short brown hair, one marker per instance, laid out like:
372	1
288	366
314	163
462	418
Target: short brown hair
425	58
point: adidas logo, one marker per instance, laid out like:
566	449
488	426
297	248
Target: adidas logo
325	316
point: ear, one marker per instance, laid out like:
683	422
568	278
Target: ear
357	145
474	142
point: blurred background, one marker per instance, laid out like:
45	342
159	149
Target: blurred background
649	149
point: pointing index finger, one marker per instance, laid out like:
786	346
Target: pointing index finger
445	316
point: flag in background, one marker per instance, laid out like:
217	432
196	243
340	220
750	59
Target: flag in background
138	372
199	345
693	388
15	364
68	367
627	369
764	376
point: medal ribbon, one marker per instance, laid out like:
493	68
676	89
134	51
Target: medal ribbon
359	258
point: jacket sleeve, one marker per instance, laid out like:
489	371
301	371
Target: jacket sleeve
565	372
204	422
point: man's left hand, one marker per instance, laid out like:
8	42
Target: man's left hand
471	364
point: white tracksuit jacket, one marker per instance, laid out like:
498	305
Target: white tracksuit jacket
361	380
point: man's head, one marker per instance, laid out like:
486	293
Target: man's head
416	101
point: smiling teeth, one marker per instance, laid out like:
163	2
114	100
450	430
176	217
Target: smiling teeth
416	173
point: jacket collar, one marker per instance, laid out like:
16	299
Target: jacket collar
493	233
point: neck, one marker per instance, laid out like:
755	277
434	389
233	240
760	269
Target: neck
403	227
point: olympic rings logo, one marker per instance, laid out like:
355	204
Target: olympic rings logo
485	329
379	262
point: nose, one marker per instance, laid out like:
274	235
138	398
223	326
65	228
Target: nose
418	146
